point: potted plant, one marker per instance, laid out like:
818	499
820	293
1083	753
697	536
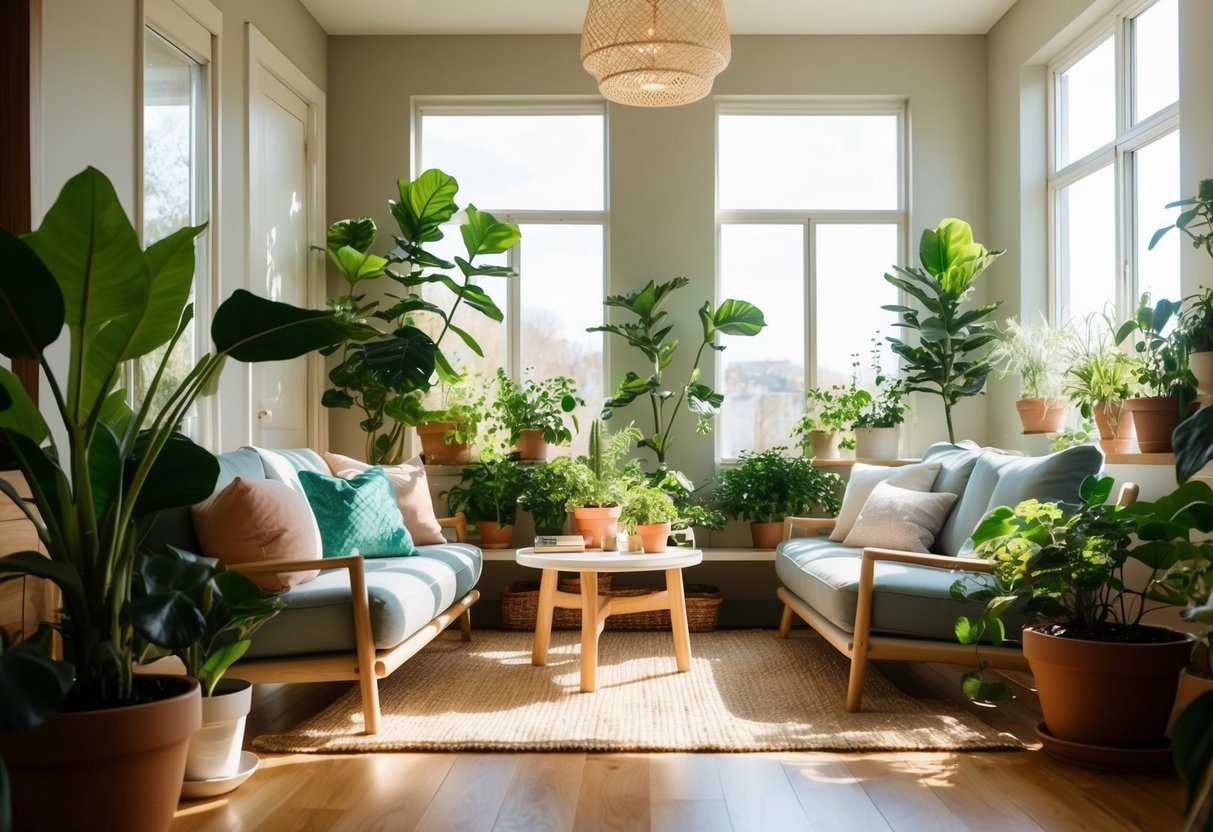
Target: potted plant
828	415
1104	678
1098	380
447	432
1163	372
547	493
602	484
488	493
233	608
766	487
386	377
534	413
951	359
1196	324
86	738
1034	353
877	428
648	512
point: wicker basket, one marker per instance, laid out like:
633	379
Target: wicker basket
520	609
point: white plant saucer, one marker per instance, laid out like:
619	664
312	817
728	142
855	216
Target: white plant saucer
195	789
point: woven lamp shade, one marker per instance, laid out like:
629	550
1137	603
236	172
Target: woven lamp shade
655	53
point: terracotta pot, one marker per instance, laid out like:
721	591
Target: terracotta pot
1110	694
596	523
118	769
531	447
215	750
1042	415
493	535
1154	418
825	444
1115	423
766	535
1201	364
653	536
438	452
878	443
1191	685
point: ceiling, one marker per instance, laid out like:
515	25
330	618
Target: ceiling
746	17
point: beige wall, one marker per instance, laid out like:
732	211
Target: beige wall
662	161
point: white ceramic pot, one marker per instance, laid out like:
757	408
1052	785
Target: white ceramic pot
878	443
825	444
1201	364
215	749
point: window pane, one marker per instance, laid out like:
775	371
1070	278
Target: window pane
1157	178
523	162
1087	244
1155	58
851	264
823	161
1086	97
562	292
763	376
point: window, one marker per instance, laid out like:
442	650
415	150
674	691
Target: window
802	246
176	163
543	168
1115	163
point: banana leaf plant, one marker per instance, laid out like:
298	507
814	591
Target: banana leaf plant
952	357
650	334
99	470
385	377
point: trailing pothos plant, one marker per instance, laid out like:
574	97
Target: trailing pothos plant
101	477
650	334
951	359
386	377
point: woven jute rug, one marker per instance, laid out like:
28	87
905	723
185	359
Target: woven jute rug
747	691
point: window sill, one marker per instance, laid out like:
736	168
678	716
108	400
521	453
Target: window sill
1140	459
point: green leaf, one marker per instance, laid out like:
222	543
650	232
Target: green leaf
425	204
19	413
1192	741
1094	491
412	303
1193	443
336	398
990	693
356	266
220	660
104	468
470	270
182	474
482	234
738	317
630	388
359	234
251	329
703	400
467	339
31	304
116	413
165	612
479	300
932	330
403	362
709	325
34	684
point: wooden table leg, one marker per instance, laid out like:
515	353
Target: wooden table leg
543	621
590	628
678	618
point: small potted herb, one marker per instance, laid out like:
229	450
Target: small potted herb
878	426
1196	324
648	512
488	493
1098	380
1163	373
829	414
447	432
597	499
1034	353
548	489
766	487
536	414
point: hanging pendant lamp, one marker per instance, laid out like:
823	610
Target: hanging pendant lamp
655	53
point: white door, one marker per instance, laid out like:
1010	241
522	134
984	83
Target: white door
279	259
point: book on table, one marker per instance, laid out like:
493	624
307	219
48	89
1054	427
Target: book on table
559	543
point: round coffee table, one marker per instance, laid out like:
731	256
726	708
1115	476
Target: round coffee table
595	608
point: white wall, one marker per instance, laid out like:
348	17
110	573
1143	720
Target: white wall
662	175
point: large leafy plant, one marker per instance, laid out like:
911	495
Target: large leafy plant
650	333
1162	352
951	359
1033	351
603	478
1097	374
101	478
769	486
385	377
490	489
546	405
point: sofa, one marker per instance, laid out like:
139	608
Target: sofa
360	618
881	603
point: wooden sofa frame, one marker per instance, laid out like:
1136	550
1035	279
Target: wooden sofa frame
366	665
862	645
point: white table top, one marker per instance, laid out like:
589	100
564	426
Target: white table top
671	558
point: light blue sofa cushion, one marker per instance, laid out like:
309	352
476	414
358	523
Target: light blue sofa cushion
973	504
1046	478
956	465
405	593
907	600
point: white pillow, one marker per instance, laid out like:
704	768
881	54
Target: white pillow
864	478
898	518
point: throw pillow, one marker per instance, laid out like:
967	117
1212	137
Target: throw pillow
864	478
412	494
357	516
256	520
898	518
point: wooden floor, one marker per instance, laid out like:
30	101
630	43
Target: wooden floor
939	792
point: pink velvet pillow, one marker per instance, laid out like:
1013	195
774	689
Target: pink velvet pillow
256	520
412	494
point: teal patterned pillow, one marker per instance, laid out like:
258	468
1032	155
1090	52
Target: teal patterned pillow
358	516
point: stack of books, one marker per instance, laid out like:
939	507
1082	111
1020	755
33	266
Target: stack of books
559	543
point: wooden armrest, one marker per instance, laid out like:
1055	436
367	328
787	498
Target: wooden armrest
922	559
1128	494
459	522
263	567
815	526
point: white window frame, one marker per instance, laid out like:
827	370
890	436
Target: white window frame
809	219
195	27
523	106
1120	153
